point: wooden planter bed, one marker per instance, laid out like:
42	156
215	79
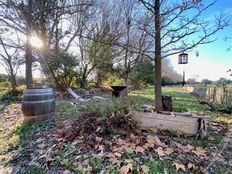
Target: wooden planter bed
179	123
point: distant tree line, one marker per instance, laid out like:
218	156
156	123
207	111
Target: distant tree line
221	81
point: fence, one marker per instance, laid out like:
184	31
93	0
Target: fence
214	93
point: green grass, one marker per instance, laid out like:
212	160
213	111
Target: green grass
96	163
182	100
23	128
66	109
162	167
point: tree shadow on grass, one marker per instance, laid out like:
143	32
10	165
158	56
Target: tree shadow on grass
32	145
19	152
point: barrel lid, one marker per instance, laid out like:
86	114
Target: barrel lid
37	90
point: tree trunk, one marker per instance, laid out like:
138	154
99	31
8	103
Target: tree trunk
126	64
12	78
158	74
83	80
126	78
28	55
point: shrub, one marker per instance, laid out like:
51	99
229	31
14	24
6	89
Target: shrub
91	85
167	81
66	109
113	80
5	85
21	88
9	95
142	75
6	95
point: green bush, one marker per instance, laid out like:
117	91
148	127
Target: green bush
142	75
5	85
167	81
113	80
102	107
6	95
9	95
91	85
21	88
66	110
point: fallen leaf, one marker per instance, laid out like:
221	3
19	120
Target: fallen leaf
144	169
115	161
78	157
155	140
132	145
128	161
230	162
200	153
148	145
180	146
190	165
109	155
168	151
120	141
188	148
119	149
98	139
98	129
198	168
126	168
151	139
139	149
133	137
85	156
160	151
179	166
117	154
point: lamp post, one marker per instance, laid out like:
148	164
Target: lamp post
183	59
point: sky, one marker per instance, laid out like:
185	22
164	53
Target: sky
214	58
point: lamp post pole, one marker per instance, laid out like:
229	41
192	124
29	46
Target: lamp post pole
183	59
183	82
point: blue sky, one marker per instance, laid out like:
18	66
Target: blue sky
214	58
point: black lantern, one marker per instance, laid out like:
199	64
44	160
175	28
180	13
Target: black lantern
183	58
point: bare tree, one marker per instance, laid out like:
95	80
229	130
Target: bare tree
50	20
178	27
126	36
96	40
11	60
132	38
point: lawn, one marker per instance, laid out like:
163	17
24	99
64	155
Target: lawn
102	138
184	102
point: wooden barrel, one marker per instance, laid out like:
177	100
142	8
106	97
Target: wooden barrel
38	104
